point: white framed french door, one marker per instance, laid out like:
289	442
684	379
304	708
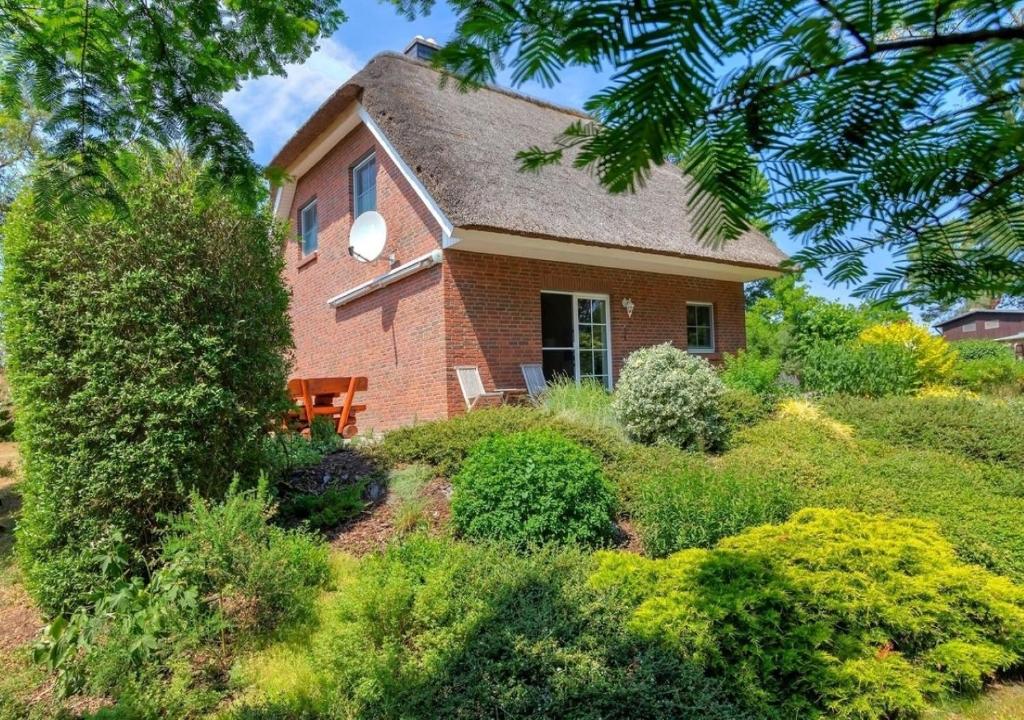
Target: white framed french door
576	336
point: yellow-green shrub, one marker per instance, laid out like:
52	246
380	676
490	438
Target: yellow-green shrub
832	612
934	356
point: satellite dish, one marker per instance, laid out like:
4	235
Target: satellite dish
367	237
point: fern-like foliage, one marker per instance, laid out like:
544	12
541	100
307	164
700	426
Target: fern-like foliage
860	126
109	73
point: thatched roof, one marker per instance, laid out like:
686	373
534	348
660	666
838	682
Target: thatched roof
463	147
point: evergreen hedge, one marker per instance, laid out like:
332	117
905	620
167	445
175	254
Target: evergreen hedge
146	350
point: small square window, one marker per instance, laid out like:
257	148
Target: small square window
308	228
364	186
970	327
700	328
991	324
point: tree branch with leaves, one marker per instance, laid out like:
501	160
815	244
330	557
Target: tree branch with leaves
888	128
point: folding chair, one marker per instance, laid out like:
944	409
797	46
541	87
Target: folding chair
533	375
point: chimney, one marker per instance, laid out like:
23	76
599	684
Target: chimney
422	48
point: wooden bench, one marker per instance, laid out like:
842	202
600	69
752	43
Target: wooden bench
315	397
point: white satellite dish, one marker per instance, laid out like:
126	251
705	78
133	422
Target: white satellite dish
367	237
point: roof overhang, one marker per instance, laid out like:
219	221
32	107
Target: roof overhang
536	248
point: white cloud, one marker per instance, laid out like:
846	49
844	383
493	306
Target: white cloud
271	108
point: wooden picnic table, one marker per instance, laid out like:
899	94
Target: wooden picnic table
315	397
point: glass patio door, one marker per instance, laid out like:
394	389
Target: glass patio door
575	337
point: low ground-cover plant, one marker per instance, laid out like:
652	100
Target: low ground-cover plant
531	488
977	505
975	427
696	506
326	510
831	613
223	577
667	396
741	408
862	369
146	351
444	444
439	629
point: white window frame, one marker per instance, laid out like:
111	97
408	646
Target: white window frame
969	327
700	350
372	157
302	228
991	324
576	297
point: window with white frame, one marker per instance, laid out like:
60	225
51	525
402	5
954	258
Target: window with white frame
576	337
308	228
970	327
991	324
700	327
364	186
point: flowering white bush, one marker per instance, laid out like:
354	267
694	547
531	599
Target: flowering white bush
667	396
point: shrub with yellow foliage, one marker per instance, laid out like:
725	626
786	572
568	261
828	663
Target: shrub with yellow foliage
935	357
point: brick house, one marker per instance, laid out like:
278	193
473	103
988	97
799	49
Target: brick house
484	265
1006	326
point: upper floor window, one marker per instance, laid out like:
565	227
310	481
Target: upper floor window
364	186
308	228
700	327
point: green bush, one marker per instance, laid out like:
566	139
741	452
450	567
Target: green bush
831	613
141	366
982	349
667	396
994	375
223	576
977	428
741	408
531	488
283	452
326	510
870	370
977	505
444	444
696	506
746	371
439	629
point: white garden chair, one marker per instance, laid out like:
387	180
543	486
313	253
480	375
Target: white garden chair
533	375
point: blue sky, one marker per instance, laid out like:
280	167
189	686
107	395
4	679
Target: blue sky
271	108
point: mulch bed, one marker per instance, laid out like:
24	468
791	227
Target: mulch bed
375	528
341	467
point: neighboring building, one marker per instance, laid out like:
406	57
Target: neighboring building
485	265
983	324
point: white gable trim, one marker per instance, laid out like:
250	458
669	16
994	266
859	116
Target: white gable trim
409	175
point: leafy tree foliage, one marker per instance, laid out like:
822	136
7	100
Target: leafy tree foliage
107	72
858	126
146	353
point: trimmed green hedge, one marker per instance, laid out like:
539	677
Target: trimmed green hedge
146	353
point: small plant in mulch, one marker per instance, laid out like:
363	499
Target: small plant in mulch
325	495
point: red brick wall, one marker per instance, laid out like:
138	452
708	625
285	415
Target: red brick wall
492	312
475	309
394	336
